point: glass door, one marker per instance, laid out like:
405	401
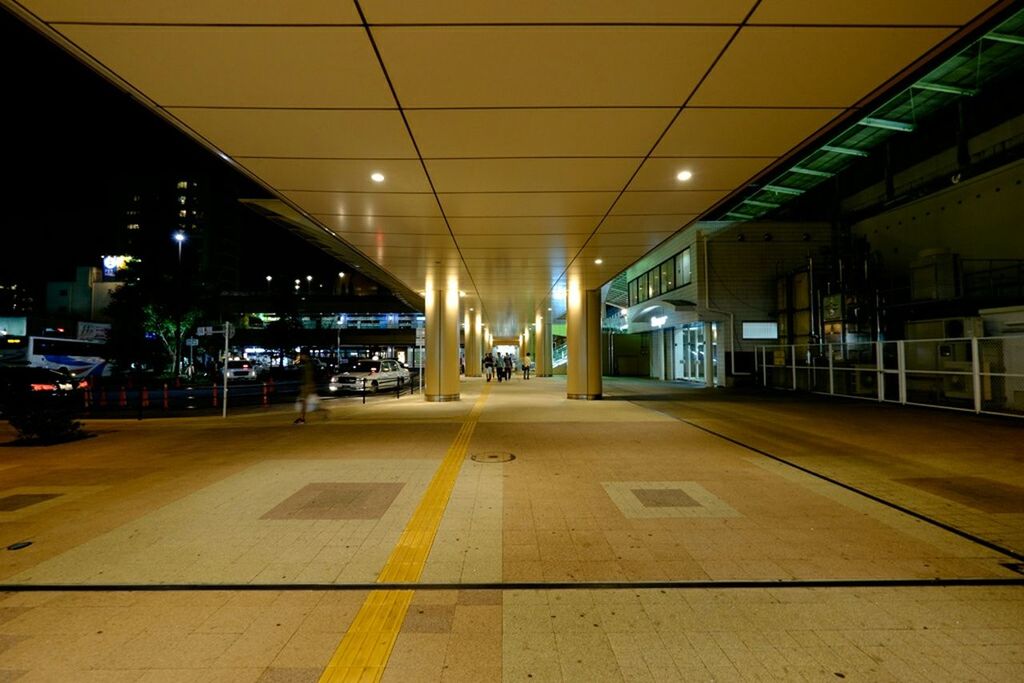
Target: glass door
689	347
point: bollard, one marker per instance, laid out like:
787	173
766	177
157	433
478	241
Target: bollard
87	397
266	396
122	400
103	397
166	397
214	395
145	397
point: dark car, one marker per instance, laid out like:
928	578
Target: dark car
37	387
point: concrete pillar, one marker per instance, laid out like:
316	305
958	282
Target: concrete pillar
441	374
709	357
542	345
583	335
472	344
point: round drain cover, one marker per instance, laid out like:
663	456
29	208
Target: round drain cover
20	545
492	456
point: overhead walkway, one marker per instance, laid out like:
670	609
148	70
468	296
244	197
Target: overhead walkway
661	534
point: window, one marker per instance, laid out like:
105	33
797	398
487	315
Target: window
183	213
181	199
666	277
760	330
182	184
655	280
683	273
133	226
633	301
642	288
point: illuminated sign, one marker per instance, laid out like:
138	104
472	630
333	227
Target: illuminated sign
658	320
113	264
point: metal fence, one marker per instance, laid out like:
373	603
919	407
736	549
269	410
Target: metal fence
982	374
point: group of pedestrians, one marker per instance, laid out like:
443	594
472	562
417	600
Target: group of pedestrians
502	367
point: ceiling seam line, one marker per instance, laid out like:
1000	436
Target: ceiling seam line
412	138
664	132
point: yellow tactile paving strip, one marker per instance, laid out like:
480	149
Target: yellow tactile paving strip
363	653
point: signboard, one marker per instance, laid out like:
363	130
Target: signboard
421	336
191	341
93	331
112	265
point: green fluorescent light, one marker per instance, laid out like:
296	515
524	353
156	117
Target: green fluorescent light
849	151
764	205
887	124
1005	38
811	172
741	216
779	189
947	89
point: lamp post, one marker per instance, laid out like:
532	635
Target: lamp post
269	279
179	237
309	284
341	283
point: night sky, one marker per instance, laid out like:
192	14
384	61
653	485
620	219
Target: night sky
71	141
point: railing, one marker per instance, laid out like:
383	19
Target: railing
559	355
982	375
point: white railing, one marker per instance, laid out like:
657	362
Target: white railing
559	355
982	375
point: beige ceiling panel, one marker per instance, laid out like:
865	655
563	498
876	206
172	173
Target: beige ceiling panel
811	67
527	204
367	203
708	174
339	174
176	11
530	175
869	12
547	65
393	225
537	132
540	242
646	203
741	132
545	225
311	133
644	240
652	223
240	67
555	11
389	240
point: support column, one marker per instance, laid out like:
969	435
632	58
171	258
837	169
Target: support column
542	345
472	337
441	374
583	332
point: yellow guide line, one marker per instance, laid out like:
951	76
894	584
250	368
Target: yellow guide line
363	653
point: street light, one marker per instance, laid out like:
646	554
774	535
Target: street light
269	278
309	284
179	237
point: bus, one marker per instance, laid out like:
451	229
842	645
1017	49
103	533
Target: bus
74	356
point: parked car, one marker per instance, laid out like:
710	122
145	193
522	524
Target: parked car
369	375
37	388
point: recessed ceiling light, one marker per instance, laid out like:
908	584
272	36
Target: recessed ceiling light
598	261
377	177
684	176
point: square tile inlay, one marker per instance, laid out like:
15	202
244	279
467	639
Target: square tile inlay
23	500
664	498
648	499
337	501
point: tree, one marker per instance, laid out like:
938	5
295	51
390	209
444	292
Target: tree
150	315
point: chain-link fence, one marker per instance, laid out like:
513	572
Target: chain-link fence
983	375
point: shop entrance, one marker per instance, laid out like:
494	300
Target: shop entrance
689	347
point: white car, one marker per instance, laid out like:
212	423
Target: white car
369	375
241	369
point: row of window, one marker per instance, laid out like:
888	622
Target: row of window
672	273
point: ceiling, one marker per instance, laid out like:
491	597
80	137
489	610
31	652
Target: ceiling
519	142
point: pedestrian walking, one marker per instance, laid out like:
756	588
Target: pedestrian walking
308	398
499	368
488	366
527	366
509	366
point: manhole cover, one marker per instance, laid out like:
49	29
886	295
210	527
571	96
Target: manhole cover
492	456
20	545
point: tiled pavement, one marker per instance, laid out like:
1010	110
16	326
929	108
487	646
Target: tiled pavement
620	492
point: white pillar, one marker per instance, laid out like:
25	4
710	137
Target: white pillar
441	381
542	345
472	344
583	335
